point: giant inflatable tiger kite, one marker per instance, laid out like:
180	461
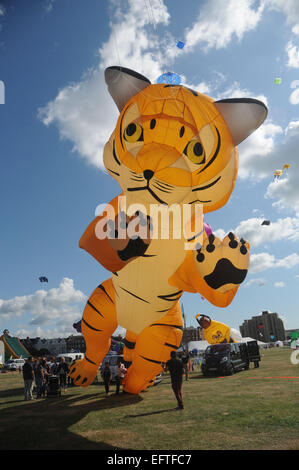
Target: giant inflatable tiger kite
171	146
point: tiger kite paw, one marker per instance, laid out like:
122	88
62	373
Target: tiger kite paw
83	373
223	264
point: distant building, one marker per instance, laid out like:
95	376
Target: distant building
267	327
76	343
190	334
54	346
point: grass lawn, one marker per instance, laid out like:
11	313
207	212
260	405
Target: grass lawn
254	409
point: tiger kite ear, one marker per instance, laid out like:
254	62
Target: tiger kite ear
242	116
123	84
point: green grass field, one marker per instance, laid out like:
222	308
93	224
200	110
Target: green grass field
254	409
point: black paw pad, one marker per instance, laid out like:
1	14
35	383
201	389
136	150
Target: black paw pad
233	243
210	248
243	249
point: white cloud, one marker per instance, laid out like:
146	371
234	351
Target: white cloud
260	155
279	284
255	153
218	23
49	5
257	234
58	307
289	7
84	112
293	129
258	281
293	55
2	14
262	261
295	29
286	189
294	97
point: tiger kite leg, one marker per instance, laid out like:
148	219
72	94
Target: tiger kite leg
153	347
130	341
98	324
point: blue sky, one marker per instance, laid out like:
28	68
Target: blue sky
58	115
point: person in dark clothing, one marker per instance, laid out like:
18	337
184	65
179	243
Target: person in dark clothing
62	371
185	360
40	379
176	369
28	376
106	375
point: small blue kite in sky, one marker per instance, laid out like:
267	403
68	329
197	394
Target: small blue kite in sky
180	45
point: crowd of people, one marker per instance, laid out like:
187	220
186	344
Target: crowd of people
36	373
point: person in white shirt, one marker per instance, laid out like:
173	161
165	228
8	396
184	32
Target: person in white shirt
120	374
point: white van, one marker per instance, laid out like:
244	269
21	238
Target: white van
14	364
71	357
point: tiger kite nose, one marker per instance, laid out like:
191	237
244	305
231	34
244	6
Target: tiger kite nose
148	174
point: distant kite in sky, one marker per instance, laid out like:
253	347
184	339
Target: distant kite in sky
277	81
180	45
278	173
169	78
266	222
43	279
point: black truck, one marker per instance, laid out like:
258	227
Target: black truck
228	358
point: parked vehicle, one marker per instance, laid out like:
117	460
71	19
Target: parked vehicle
228	358
70	357
14	364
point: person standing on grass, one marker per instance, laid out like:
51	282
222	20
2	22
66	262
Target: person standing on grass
40	379
28	376
176	369
106	375
120	374
185	360
62	371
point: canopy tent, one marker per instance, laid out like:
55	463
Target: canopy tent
200	346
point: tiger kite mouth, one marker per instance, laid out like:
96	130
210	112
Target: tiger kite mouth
152	193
